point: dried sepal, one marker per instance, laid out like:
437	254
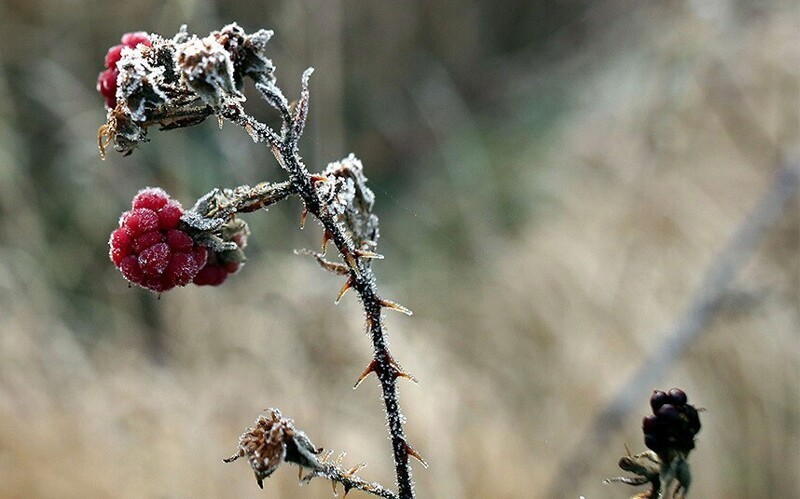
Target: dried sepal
300	114
142	84
200	223
105	135
216	243
334	267
206	68
248	52
645	465
351	201
274	97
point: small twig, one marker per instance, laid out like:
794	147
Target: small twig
274	440
349	480
685	330
251	199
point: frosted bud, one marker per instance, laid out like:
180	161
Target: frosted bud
206	68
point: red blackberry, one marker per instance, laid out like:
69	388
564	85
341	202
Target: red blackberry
107	80
149	248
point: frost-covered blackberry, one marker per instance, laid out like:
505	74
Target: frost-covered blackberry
149	247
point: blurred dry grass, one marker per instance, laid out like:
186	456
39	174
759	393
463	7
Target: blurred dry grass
553	181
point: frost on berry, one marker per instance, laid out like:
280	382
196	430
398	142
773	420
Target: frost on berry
152	198
147	240
182	268
113	56
134	39
107	80
154	260
139	221
150	249
169	216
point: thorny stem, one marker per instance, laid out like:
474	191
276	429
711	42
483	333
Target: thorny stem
284	148
364	284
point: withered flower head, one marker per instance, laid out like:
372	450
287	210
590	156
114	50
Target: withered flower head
178	82
273	440
352	200
207	69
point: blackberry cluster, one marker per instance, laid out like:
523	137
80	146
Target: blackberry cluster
673	425
149	247
107	80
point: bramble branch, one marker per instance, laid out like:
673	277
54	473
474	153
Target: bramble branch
179	82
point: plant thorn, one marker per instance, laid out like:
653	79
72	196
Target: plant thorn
303	216
347	285
326	237
368	254
396	307
411	452
371	368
